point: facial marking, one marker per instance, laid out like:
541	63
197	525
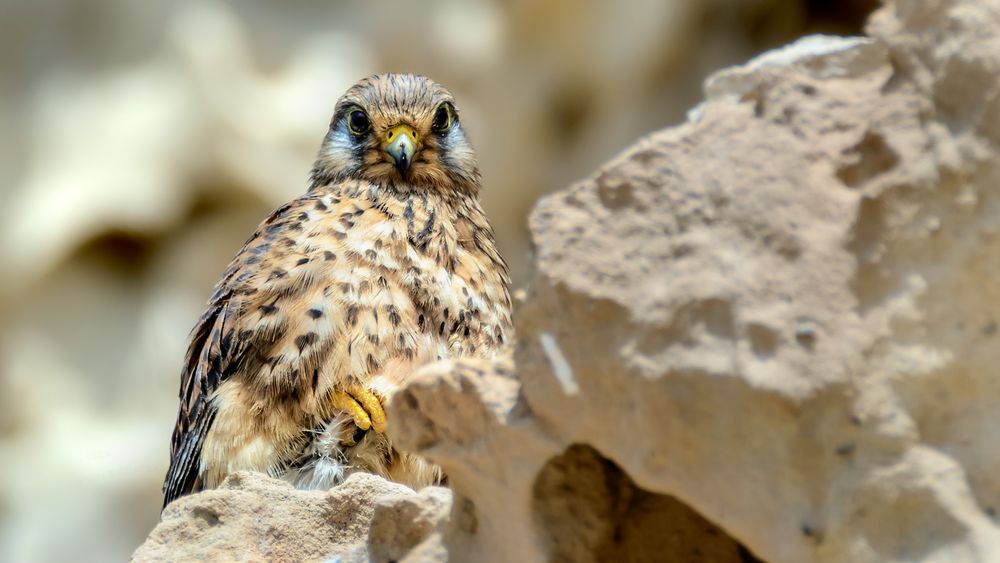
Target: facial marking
434	153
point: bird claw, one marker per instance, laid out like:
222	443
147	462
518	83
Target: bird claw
364	407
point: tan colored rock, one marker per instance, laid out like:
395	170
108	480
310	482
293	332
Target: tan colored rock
781	313
409	527
255	518
252	517
587	509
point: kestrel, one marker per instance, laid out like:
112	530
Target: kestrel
385	264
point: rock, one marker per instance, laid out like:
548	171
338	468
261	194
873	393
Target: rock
409	528
779	316
588	510
252	517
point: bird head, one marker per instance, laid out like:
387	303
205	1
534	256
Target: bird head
401	130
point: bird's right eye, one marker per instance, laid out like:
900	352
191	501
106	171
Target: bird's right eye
358	122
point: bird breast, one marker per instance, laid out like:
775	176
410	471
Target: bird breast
368	278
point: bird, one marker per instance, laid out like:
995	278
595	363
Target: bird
386	263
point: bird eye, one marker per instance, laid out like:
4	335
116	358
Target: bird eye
358	122
442	119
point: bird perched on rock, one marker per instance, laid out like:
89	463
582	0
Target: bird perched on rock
386	263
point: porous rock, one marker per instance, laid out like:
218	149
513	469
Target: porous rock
252	517
782	314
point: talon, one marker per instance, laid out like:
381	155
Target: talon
363	406
373	406
345	402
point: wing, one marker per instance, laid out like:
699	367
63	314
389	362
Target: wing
215	353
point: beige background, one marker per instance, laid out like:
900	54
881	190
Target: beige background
140	143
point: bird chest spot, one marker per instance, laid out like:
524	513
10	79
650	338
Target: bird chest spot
305	340
394	317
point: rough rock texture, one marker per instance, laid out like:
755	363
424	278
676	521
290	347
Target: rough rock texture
783	313
767	333
409	526
255	518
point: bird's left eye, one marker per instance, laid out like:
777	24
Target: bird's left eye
442	119
358	122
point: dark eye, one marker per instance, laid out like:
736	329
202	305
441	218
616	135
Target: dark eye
442	119
358	122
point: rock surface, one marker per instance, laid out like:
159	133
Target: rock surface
252	517
768	333
783	312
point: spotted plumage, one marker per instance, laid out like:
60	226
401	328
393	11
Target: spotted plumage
387	263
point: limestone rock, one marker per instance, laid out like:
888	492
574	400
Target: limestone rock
252	517
255	518
409	527
781	313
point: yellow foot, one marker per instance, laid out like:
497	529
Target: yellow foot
363	406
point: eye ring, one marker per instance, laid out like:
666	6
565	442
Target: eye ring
358	122
442	118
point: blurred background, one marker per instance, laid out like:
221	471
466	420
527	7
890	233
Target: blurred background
141	142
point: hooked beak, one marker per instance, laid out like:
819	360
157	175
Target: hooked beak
401	143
